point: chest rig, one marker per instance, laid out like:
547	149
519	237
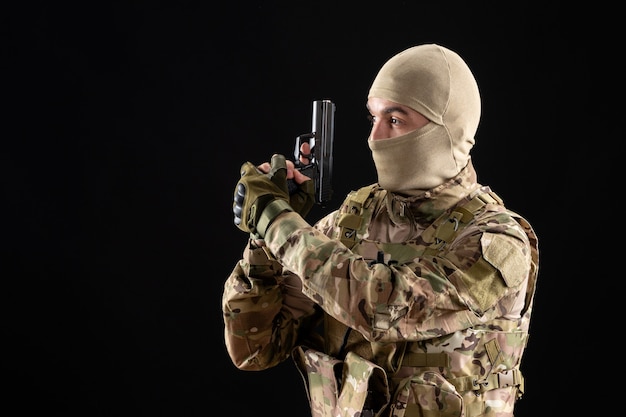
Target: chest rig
360	206
353	222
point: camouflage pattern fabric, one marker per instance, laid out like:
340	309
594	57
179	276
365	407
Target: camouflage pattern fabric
432	299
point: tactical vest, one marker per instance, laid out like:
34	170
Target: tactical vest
428	378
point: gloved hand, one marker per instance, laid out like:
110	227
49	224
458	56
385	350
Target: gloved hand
302	196
260	197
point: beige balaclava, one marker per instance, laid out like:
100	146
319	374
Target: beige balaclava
437	83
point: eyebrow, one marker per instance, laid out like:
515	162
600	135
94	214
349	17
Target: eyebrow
391	109
395	109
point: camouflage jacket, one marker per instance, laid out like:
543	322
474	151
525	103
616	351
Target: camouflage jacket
425	302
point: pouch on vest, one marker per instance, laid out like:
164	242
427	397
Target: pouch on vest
426	395
338	388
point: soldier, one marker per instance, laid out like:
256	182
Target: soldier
414	297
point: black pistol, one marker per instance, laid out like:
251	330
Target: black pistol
320	140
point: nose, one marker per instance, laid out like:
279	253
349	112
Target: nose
378	131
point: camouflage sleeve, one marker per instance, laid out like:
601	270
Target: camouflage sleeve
263	308
417	300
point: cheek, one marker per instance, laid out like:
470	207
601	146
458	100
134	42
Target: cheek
420	122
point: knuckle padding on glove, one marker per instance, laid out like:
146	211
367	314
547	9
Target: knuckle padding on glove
240	195
260	197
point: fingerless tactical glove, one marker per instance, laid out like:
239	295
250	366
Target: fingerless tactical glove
302	197
260	197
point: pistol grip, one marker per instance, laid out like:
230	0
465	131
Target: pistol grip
292	186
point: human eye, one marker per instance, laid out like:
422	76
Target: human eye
371	119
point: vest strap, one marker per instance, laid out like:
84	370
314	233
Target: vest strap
351	221
510	378
439	359
448	225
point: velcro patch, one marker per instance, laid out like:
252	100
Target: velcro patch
484	283
505	257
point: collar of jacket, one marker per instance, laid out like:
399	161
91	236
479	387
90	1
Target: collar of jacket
428	205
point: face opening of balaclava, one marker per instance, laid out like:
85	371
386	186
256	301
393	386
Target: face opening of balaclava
437	83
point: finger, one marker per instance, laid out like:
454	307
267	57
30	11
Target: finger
305	149
247	168
278	165
290	169
265	167
278	172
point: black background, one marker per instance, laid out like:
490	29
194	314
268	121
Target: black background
127	126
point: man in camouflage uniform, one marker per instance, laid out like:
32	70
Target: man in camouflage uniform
424	281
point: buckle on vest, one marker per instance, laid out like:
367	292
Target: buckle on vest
507	378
